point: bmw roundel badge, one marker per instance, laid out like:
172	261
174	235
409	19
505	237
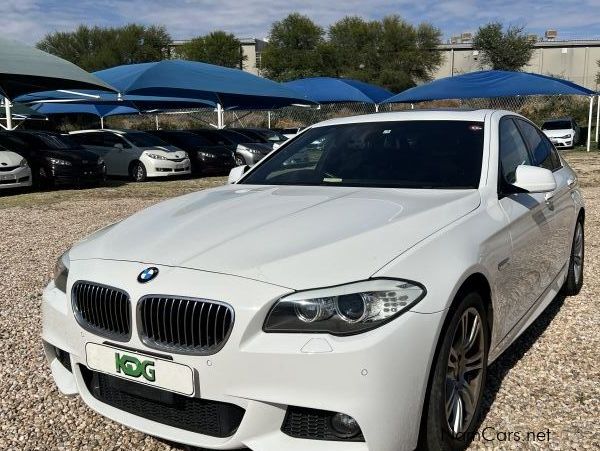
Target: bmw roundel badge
147	275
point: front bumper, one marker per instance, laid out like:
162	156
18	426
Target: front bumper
562	142
166	168
17	178
62	174
378	377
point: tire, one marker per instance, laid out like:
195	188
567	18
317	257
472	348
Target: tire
41	179
444	429
138	172
574	281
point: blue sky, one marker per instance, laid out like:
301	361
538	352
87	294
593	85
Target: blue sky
29	20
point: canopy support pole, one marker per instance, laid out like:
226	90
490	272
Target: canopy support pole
269	119
156	121
597	116
590	117
101	122
220	116
8	113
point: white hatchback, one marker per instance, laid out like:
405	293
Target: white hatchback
348	292
135	154
14	170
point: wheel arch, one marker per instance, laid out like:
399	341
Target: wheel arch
478	282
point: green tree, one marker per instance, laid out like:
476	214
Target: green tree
503	50
218	47
96	48
391	53
296	49
354	45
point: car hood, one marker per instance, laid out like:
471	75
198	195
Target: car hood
8	158
73	155
557	133
296	237
170	152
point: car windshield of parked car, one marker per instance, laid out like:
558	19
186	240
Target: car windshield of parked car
58	142
557	125
189	139
141	139
237	138
402	154
274	136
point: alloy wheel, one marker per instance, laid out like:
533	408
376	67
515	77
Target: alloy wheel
578	253
139	172
464	375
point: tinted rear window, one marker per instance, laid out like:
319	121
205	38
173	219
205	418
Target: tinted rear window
557	125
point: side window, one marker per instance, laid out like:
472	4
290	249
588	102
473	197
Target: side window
544	153
513	151
110	139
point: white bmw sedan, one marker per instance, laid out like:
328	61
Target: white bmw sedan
346	293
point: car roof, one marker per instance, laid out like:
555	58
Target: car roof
111	130
415	115
559	119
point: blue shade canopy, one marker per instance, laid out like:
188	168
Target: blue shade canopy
337	90
97	109
19	112
142	103
232	88
26	69
489	83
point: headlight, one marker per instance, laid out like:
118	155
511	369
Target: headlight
59	162
156	157
206	155
346	309
61	272
23	163
565	136
100	161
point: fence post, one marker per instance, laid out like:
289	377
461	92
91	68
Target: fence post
8	112
589	135
597	116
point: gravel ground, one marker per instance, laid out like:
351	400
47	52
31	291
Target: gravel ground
547	382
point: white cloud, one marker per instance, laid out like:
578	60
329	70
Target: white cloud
29	20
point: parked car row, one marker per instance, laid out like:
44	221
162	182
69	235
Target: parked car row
47	158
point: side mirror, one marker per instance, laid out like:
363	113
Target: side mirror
534	179
118	146
236	173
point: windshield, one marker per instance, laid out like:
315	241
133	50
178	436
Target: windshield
557	125
235	137
59	142
141	139
189	139
274	136
403	154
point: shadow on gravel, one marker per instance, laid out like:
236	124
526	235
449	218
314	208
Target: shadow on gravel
500	368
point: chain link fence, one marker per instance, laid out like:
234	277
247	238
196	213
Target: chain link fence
536	108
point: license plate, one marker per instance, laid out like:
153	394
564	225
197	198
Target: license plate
141	368
7	177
